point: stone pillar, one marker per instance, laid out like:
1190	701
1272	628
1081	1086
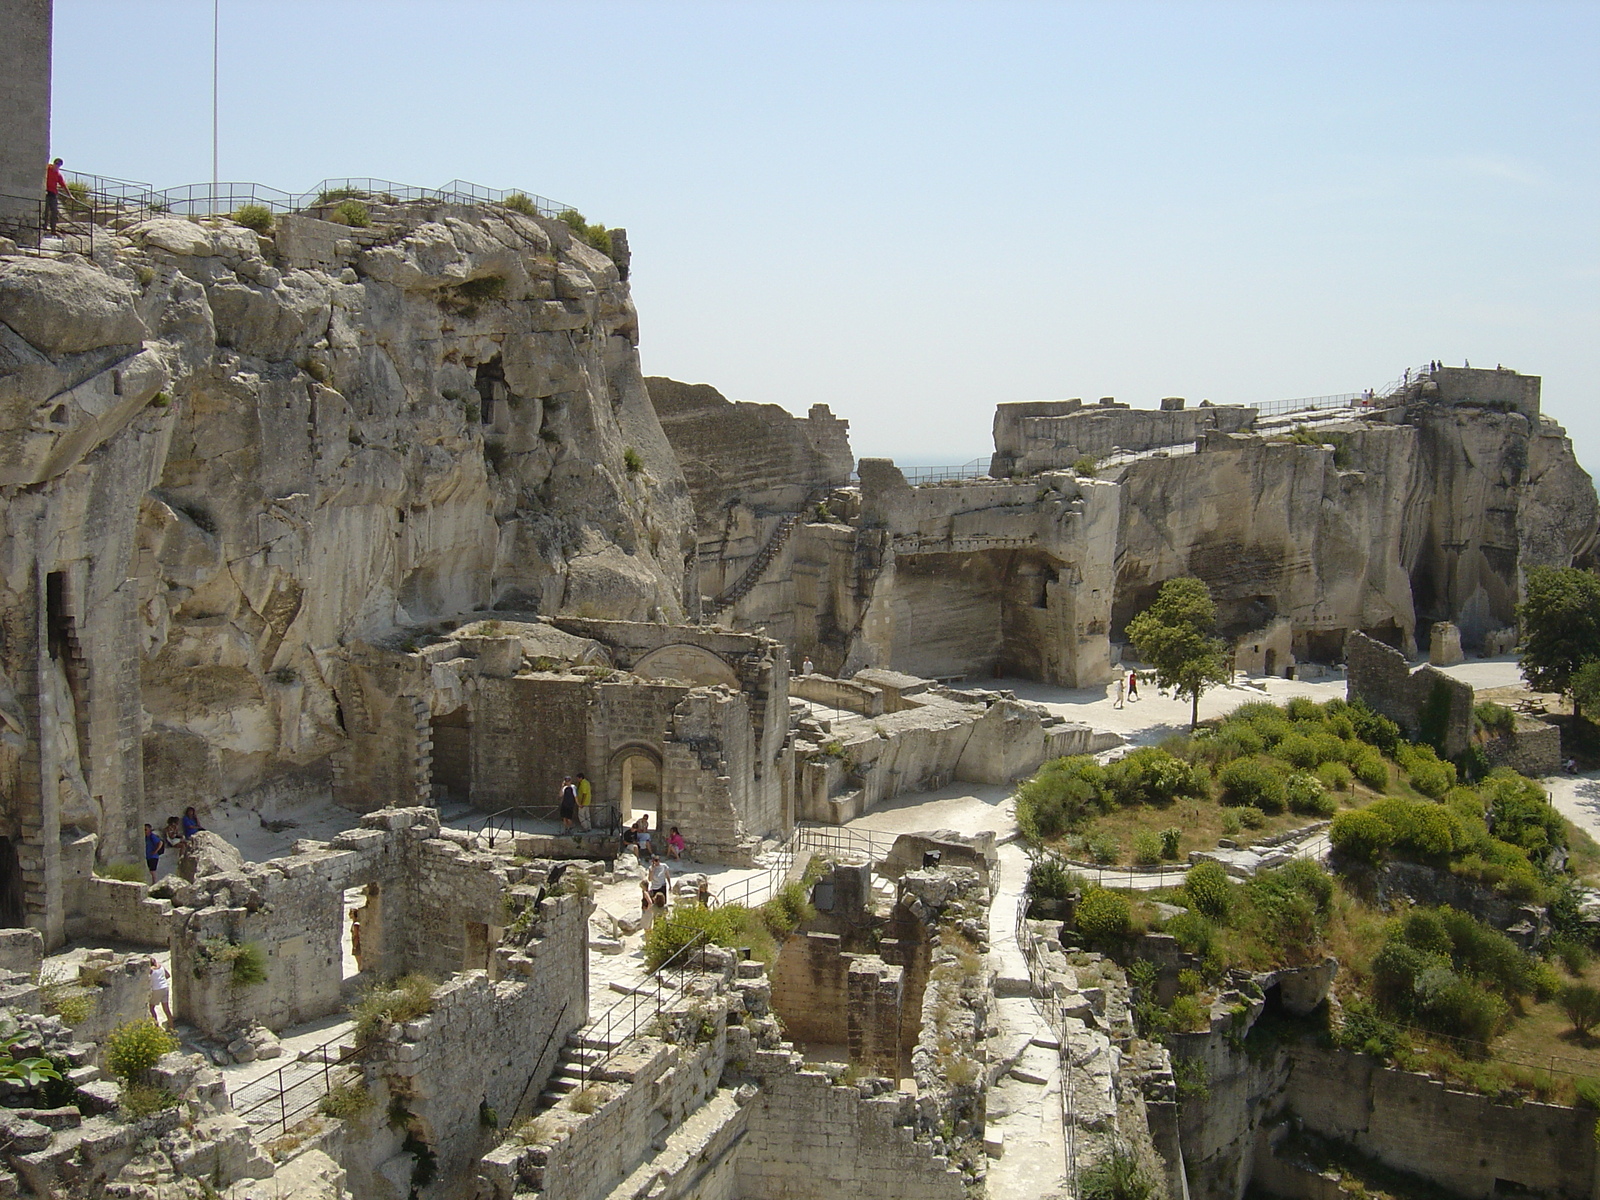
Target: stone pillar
1444	647
25	100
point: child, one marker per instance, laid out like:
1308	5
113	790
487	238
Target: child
675	845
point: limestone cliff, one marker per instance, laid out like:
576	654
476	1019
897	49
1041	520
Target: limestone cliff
223	455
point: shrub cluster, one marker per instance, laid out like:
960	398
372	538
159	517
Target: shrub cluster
1068	791
1450	973
132	1049
1049	886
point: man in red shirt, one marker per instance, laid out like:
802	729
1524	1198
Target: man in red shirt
54	184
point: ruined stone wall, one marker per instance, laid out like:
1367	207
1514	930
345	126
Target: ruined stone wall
754	454
526	734
491	1043
1461	1141
1381	676
1532	748
1502	386
1030	442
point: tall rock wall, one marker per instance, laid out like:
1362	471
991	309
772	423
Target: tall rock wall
222	456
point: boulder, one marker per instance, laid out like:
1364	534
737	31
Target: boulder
206	854
67	308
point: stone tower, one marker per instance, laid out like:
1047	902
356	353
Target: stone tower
24	107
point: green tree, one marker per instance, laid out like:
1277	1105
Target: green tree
1560	619
1175	635
1586	687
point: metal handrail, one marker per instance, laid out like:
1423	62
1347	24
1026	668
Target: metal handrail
1050	1004
280	1094
976	469
1306	404
502	824
616	1026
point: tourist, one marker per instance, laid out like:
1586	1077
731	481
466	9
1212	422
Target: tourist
191	823
174	834
641	837
647	908
702	892
1122	688
1572	766
806	666
569	804
658	880
1133	685
675	846
585	798
54	184
154	847
160	993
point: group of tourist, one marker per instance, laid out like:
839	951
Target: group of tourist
1127	688
176	836
573	805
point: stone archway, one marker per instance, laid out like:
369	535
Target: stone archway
691	664
635	768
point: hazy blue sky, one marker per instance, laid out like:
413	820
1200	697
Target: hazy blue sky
913	211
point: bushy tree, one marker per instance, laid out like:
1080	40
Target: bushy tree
1560	620
1175	635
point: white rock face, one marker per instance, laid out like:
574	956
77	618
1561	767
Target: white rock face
230	459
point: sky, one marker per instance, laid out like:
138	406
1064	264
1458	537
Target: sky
913	211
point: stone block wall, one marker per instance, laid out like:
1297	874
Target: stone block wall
1381	676
25	98
491	1042
111	908
1461	1141
809	1138
1502	386
848	694
1030	441
1532	748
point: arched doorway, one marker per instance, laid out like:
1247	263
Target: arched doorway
636	782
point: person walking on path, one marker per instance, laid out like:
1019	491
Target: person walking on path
1133	685
569	804
1122	687
660	877
154	847
54	184
585	798
160	993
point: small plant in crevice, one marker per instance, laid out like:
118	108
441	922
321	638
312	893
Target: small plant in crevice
347	1100
352	213
631	459
254	216
519	203
247	962
131	1050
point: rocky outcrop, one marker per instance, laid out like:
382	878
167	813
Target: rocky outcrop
223	456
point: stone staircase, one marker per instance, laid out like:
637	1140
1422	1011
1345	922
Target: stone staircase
757	568
583	1050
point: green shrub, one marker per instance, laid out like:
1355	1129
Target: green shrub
789	908
1231	824
1186	1014
1361	835
132	1049
1496	718
247	961
1118	1176
1370	769
1170	839
74	1007
1572	954
140	1100
1188	982
1192	1077
1373	728
1103	916
126	872
1303	708
1588	1091
517	202
1060	796
1209	890
1251	817
1305	794
383	1005
1522	816
1428	774
632	461
254	216
1049	886
346	1100
1249	781
1151	775
731	925
1104	848
1147	848
352	213
1086	465
1421	829
1193	933
1335	776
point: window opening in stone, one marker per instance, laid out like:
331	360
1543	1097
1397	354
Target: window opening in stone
363	931
476	955
490	383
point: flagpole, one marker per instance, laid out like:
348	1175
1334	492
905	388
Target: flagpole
216	12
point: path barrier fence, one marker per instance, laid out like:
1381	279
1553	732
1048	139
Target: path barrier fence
502	826
1049	1003
624	1019
273	1103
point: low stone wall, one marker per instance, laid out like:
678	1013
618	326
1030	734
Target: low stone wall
1462	1141
1532	748
122	912
838	693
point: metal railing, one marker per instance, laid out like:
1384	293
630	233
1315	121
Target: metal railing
297	1087
623	1020
841	839
502	826
1046	1000
975	469
1308	404
23	219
